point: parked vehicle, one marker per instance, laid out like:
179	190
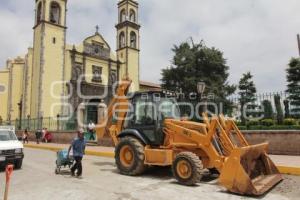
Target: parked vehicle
11	149
153	134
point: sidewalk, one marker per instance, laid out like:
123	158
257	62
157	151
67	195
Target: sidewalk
285	164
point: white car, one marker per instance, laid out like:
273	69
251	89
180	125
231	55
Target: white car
11	150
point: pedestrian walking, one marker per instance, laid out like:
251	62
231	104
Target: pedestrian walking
78	147
47	137
91	130
25	136
38	135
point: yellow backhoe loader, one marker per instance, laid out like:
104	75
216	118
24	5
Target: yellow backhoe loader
147	130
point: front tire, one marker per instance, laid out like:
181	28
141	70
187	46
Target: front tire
187	168
130	156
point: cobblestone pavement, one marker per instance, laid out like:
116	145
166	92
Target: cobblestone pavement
37	181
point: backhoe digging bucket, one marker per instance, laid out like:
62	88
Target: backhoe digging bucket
249	171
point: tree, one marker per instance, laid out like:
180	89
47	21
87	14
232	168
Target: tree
247	91
293	79
198	63
268	109
278	107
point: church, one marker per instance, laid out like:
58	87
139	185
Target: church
58	79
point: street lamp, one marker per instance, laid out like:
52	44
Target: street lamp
200	89
28	122
20	105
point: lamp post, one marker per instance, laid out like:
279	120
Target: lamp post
200	89
57	118
28	122
20	105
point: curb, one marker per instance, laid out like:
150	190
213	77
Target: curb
87	152
282	169
289	170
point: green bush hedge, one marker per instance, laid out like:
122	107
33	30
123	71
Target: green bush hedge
243	127
267	122
290	122
253	123
239	123
257	127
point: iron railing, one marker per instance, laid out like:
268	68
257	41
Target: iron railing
50	123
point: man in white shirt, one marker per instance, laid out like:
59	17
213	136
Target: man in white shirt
91	129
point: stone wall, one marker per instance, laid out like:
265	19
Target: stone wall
58	137
280	142
66	138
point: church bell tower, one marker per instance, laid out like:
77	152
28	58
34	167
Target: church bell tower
48	58
128	40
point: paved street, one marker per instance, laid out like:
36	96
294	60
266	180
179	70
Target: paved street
37	181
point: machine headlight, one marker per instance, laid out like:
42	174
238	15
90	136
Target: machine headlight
18	150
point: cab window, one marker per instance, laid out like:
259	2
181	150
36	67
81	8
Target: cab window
144	112
7	135
169	109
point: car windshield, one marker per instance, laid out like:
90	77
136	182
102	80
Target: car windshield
6	135
169	108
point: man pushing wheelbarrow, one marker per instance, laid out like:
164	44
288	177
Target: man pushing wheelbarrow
78	147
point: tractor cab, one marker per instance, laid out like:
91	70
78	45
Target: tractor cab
148	110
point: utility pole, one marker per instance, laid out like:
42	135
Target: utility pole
298	40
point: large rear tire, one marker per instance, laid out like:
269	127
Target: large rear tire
187	168
130	156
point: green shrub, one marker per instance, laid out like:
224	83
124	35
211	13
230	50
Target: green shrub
242	127
239	123
279	127
256	127
267	122
289	122
296	127
253	123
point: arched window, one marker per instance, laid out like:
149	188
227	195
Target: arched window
122	40
133	40
55	13
132	16
39	13
122	15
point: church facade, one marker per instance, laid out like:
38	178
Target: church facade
57	79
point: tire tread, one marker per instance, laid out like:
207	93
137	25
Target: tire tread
138	148
197	168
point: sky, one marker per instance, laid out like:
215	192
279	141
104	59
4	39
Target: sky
255	35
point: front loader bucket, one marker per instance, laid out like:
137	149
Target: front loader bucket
249	171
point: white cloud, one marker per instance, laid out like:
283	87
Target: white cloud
256	36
